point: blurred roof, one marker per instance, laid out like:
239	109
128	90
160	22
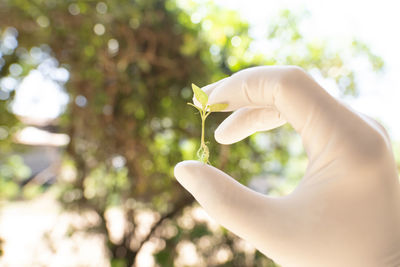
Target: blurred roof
37	137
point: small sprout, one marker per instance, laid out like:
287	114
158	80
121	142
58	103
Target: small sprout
203	153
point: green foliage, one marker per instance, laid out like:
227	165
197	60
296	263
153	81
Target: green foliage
164	258
12	172
8	58
118	263
132	63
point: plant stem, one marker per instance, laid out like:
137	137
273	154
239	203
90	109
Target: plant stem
203	119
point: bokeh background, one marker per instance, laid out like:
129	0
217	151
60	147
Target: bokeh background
93	118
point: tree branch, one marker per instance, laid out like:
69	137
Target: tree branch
186	201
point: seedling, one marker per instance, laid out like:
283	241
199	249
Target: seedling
203	153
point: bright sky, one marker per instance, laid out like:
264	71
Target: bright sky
375	23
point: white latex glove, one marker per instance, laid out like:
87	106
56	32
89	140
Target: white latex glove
346	209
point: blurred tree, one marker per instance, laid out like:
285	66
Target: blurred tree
131	64
8	58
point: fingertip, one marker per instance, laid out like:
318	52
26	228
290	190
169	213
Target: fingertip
196	103
225	199
208	89
188	173
218	94
214	97
220	136
184	168
245	122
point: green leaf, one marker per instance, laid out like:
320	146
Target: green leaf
218	107
199	231
200	95
165	258
199	109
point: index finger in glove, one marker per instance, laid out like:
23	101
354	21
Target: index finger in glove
295	97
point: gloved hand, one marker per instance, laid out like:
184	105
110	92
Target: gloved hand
346	209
